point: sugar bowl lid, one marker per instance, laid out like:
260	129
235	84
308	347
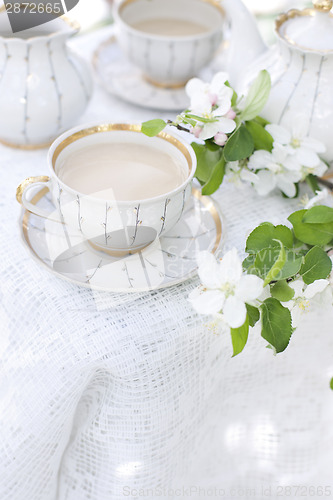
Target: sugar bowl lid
308	29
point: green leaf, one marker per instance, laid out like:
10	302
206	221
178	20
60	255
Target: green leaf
313	183
269	263
317	265
238	124
234	99
253	314
216	178
266	235
331	384
189	121
201	119
207	159
261	121
311	234
292	265
261	138
257	96
318	215
282	291
276	324
153	127
278	266
239	145
248	263
212	146
234	95
239	337
264	261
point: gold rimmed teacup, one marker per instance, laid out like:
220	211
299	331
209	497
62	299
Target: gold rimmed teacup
109	224
167	59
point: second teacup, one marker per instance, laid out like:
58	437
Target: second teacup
114	185
170	41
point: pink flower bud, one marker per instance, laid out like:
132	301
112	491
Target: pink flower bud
196	131
231	114
213	98
220	138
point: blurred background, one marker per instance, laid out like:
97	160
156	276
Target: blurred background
98	13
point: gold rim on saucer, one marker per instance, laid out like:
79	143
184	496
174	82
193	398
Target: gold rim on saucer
208	203
27	147
213	233
172	86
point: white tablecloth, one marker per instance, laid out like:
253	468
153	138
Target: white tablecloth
105	397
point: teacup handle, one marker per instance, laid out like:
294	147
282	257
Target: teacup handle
30	184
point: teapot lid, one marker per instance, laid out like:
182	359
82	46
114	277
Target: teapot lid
309	29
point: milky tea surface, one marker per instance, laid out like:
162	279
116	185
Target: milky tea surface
121	171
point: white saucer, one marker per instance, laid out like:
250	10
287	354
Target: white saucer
120	78
167	261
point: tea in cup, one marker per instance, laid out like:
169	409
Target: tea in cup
117	187
170	41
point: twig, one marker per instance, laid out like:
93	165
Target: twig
325	183
180	127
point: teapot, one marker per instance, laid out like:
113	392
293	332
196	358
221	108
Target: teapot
44	86
300	65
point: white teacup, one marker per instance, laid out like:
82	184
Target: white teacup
117	226
169	40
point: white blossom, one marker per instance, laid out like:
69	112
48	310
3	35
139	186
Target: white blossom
239	174
225	289
211	101
304	295
297	144
321	196
218	326
275	169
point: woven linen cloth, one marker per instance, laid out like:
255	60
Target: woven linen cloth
112	396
